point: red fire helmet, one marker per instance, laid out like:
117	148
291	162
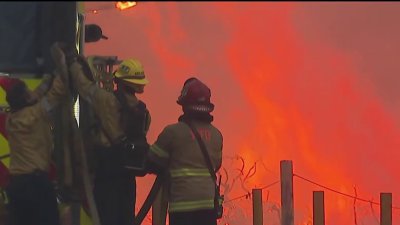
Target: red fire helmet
196	95
8	83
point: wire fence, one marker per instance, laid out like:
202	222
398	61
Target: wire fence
339	192
249	195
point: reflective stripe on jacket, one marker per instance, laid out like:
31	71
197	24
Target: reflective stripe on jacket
191	186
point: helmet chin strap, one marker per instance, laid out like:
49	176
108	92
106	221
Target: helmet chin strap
126	88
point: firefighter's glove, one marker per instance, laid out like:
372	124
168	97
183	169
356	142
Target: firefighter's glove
70	52
57	54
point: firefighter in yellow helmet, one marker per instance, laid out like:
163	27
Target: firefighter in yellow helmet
124	120
191	192
116	195
131	72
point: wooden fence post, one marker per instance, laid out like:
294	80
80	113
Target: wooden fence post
386	208
287	213
318	208
257	207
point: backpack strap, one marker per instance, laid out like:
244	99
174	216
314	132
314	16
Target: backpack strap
204	151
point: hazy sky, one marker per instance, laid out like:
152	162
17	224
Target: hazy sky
315	83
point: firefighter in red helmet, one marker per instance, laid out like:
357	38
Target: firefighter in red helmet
32	198
176	151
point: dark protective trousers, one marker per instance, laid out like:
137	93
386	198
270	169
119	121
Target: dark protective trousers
32	200
199	217
114	191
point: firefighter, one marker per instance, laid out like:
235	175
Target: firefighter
32	198
135	117
124	120
192	189
119	207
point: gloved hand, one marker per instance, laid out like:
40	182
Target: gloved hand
133	155
58	54
70	52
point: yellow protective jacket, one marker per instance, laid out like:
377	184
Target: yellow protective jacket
190	184
104	104
29	132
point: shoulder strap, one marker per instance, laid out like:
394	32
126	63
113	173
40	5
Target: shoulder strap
203	150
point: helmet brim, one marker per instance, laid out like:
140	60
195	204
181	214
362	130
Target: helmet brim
205	108
136	81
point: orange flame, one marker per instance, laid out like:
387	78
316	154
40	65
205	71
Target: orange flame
295	95
124	5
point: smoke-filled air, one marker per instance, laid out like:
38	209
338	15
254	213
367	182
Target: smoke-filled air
315	83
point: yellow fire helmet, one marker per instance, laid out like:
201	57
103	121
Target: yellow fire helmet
131	70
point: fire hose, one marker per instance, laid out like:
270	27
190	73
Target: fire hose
149	200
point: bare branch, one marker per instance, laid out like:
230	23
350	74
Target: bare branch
242	169
373	211
354	206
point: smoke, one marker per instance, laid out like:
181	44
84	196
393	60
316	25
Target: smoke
310	82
